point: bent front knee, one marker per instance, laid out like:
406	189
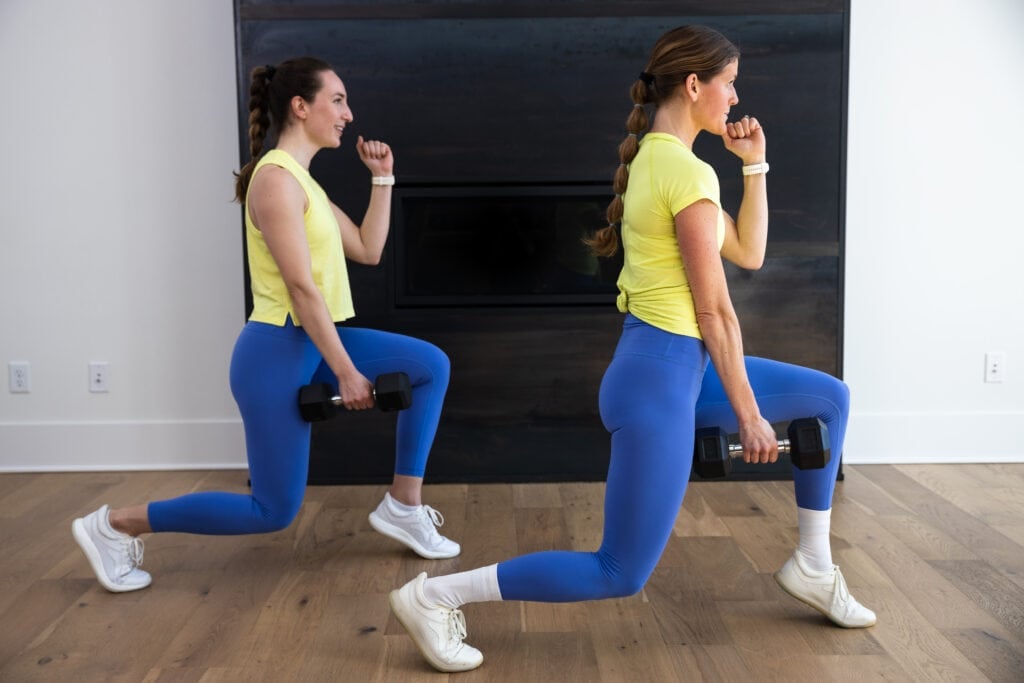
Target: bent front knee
277	518
628	584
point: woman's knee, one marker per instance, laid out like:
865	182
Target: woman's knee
439	360
277	516
628	583
435	361
623	578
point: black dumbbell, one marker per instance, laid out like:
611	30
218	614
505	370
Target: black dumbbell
807	447
391	391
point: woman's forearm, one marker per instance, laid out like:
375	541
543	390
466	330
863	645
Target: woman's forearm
752	221
724	342
376	223
315	318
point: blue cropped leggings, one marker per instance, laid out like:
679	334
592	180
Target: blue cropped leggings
654	394
268	366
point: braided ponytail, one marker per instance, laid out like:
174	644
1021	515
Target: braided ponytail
259	126
605	242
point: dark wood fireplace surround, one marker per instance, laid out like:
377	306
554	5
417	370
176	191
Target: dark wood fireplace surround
520	99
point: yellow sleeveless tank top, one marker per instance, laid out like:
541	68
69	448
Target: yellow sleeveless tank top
271	302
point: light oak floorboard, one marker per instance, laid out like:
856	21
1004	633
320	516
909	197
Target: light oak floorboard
936	550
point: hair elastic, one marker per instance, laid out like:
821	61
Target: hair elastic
647	78
270	70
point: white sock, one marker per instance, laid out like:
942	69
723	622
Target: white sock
814	542
398	506
454	590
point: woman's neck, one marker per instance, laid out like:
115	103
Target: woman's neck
673	117
298	146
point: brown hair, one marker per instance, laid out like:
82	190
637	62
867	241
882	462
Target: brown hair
271	90
677	54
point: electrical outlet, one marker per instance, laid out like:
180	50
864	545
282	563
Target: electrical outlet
995	366
19	377
99	377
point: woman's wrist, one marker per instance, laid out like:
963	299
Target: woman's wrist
755	168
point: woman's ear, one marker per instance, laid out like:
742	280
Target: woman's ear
299	107
692	83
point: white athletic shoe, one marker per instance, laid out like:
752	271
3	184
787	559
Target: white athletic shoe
437	631
115	557
825	592
417	530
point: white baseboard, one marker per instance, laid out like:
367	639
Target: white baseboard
220	444
100	446
877	438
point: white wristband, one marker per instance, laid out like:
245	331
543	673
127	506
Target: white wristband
755	169
383	180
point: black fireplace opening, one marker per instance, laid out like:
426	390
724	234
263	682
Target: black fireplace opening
505	245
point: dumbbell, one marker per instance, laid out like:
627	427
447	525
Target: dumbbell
391	391
807	447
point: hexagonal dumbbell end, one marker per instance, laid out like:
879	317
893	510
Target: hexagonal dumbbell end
392	391
315	402
711	453
809	447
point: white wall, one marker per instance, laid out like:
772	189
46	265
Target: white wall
934	230
118	241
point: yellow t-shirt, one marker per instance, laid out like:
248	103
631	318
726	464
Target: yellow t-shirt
271	302
665	177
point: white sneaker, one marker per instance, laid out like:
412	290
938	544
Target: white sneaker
115	557
418	529
437	631
825	592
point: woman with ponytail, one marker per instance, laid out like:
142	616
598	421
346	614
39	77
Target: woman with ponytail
297	242
660	386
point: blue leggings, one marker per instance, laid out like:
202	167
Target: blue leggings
268	366
654	394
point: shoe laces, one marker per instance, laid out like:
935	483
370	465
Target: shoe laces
431	519
135	549
841	589
456	626
436	517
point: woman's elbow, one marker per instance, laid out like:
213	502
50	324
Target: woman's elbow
748	260
753	262
365	256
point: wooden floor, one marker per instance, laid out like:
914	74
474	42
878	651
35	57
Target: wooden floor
936	551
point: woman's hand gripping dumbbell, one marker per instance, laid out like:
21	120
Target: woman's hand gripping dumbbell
807	447
391	391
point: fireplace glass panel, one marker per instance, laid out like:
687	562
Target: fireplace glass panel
490	246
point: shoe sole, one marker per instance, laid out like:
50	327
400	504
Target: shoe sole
92	554
400	535
395	601
783	586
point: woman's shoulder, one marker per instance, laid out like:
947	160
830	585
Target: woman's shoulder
279	158
667	150
276	181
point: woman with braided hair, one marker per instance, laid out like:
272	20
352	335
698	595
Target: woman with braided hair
297	242
659	386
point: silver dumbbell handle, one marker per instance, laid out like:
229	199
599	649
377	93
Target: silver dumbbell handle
336	400
736	450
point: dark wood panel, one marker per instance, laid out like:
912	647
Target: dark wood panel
416	9
536	94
